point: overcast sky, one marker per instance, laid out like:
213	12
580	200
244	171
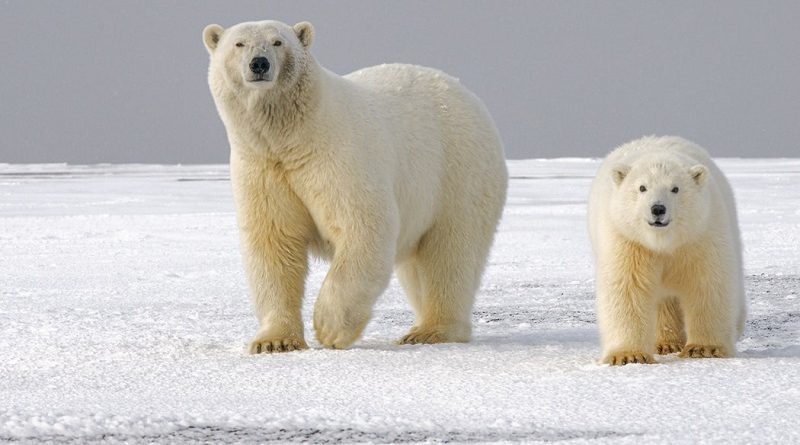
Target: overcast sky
125	81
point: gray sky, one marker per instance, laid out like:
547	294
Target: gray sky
96	81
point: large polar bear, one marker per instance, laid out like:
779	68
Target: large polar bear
390	166
665	235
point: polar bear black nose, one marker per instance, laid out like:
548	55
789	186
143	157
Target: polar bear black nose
259	65
658	210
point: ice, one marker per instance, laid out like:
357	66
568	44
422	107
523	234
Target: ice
124	317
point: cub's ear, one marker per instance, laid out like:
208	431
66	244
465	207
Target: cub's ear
699	173
619	172
305	32
211	36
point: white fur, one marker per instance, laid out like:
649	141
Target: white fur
673	288
394	166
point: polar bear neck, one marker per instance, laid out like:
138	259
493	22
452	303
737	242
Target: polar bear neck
272	123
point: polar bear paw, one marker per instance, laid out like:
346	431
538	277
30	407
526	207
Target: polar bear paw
620	358
431	335
668	347
693	350
338	327
270	344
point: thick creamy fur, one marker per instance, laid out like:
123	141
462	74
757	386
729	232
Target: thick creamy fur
390	167
668	289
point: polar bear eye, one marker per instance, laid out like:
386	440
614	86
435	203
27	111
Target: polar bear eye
239	44
675	189
277	43
642	188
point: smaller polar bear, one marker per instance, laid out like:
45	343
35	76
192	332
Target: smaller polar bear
664	231
390	167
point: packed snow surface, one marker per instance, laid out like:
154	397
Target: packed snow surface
124	317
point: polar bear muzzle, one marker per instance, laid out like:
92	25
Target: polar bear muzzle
259	66
659	212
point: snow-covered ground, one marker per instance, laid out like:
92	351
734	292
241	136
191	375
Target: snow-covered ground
124	317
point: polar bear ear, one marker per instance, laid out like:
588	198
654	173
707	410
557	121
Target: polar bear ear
305	32
619	172
699	174
211	36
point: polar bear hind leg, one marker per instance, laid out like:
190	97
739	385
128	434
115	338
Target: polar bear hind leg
441	280
671	335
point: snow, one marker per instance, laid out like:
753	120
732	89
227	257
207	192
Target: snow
124	317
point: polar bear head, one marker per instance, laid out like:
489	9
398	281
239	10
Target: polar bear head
660	201
257	56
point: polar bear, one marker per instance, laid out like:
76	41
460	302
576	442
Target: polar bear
393	166
664	231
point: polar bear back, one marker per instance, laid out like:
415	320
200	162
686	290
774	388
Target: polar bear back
411	100
435	131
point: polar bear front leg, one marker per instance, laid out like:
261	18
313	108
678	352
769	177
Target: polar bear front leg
274	228
709	299
360	270
710	322
627	320
627	308
276	273
356	278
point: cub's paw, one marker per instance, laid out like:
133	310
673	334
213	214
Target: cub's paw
431	335
664	348
264	343
693	350
627	357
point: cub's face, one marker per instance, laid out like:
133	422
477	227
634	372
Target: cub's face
661	205
257	55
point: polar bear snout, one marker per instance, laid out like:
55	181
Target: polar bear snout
259	66
659	212
260	72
